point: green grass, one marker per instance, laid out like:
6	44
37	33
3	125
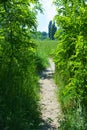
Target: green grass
45	49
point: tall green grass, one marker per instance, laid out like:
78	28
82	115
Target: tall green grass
45	49
19	90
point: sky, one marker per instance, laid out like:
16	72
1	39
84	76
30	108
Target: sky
49	13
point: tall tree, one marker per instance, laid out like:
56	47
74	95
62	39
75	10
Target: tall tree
50	29
53	30
18	82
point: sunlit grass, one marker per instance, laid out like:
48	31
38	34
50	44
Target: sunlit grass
45	49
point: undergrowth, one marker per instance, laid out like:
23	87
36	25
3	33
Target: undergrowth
19	88
70	58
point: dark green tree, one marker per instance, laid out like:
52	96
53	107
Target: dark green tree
39	35
43	35
53	30
50	29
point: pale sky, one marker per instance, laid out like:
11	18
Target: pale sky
49	13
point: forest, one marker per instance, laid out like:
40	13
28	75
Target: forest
23	55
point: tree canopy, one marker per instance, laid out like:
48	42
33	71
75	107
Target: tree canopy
18	81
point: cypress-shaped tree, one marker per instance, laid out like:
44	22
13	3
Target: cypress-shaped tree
53	30
50	29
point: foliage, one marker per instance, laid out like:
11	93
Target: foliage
40	35
19	93
51	30
70	59
54	29
43	35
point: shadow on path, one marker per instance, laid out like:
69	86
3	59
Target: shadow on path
46	74
46	125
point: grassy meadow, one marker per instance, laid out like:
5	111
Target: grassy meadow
45	49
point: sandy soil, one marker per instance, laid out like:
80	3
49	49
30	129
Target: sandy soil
51	112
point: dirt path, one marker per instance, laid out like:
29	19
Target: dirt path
51	113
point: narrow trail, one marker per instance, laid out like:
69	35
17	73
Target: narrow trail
51	112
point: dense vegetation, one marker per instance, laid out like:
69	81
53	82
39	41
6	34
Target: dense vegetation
21	58
38	35
19	93
71	62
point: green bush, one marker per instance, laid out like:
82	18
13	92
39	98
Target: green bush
70	59
19	89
